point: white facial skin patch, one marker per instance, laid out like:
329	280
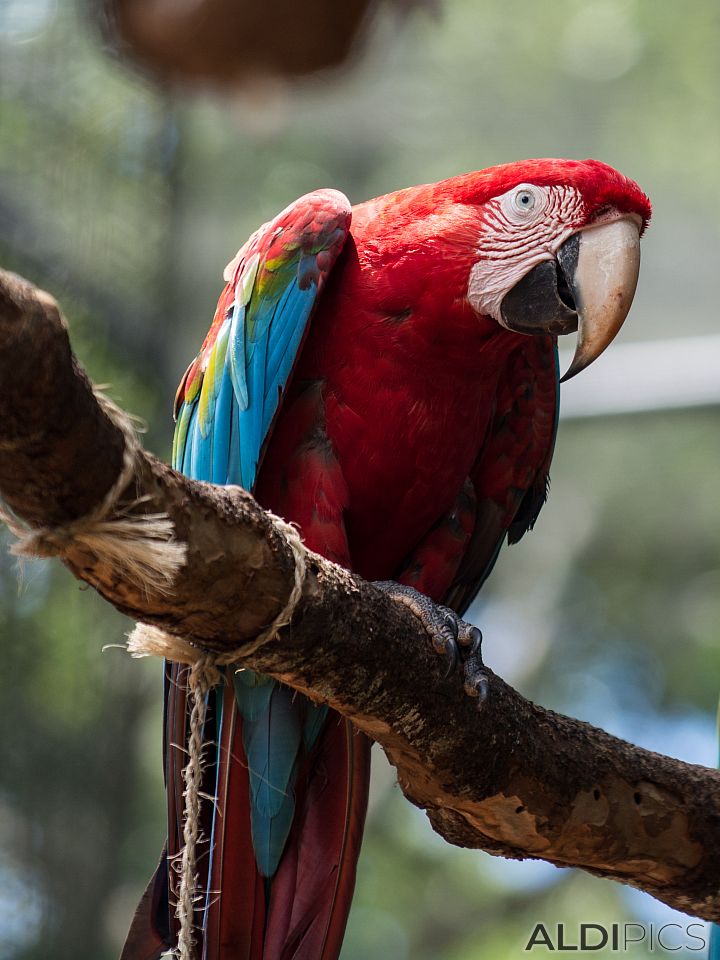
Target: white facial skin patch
520	229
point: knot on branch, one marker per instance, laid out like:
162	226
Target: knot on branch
141	546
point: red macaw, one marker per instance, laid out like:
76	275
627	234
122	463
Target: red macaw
407	428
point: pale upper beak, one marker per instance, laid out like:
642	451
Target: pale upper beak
589	287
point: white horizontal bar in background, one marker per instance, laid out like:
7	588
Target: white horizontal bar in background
644	376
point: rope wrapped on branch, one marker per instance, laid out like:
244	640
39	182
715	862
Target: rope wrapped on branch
513	779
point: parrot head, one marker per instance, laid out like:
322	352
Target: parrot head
558	251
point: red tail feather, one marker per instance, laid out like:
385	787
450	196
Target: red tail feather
358	747
235	920
146	940
313	888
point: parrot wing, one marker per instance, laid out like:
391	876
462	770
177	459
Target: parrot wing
227	401
511	474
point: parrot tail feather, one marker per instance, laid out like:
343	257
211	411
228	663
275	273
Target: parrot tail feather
313	888
235	913
300	912
149	934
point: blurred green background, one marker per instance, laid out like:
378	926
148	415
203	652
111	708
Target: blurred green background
127	202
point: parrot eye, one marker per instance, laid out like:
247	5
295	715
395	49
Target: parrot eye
524	200
524	203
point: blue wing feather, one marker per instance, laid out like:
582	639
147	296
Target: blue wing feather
236	353
286	346
222	434
201	450
284	324
251	433
233	473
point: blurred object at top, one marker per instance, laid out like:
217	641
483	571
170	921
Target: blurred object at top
230	42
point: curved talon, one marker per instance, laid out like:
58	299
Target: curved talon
452	626
444	638
472	638
449	635
451	652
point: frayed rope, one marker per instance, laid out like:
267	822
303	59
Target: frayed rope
205	673
141	546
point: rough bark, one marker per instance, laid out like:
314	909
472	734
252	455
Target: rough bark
512	778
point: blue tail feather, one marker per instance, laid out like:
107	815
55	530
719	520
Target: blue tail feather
314	720
252	693
276	727
271	745
269	835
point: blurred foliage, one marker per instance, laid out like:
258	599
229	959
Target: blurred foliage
127	203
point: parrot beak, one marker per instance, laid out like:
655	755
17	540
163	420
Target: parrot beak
588	288
603	282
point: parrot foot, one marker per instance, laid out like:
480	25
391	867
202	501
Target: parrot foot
459	642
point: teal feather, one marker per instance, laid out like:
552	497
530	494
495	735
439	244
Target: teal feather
252	693
222	435
251	436
236	355
201	451
286	344
212	382
283	319
180	444
269	836
289	320
714	945
261	315
271	747
314	720
233	473
187	452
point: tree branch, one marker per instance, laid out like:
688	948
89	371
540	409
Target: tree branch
513	779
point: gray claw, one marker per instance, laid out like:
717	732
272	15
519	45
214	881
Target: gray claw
471	637
458	641
451	648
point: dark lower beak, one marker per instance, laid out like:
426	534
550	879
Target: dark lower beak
589	287
542	302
